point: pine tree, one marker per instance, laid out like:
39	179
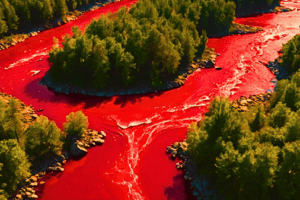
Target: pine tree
10	15
3	25
76	124
42	137
288	181
14	165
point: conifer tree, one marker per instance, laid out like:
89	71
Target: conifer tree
14	165
76	124
42	137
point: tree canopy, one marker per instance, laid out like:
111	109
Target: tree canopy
291	54
146	44
14	166
22	141
255	154
16	12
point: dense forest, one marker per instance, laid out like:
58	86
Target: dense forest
143	45
254	154
291	54
22	142
19	12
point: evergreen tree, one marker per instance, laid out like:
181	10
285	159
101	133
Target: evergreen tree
14	166
10	15
76	124
3	25
280	115
12	124
288	181
42	137
256	117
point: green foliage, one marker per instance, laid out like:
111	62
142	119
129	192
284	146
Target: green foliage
280	115
287	92
288	181
251	155
19	12
11	126
42	137
223	124
76	124
14	166
256	117
291	54
146	44
216	16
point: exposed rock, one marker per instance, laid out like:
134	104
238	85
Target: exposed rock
218	68
33	178
243	102
33	196
201	186
92	143
103	133
18	196
34	116
77	150
98	141
28	193
34	184
176	145
209	64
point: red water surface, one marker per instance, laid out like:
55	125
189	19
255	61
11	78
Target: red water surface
132	163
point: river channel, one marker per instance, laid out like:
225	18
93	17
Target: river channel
132	163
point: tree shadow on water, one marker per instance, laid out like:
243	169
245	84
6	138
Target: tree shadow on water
125	99
175	192
40	92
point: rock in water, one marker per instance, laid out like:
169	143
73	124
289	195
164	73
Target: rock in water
77	150
209	63
218	68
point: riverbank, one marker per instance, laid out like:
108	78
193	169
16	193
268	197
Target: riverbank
49	162
201	185
53	164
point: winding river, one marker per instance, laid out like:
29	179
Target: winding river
132	163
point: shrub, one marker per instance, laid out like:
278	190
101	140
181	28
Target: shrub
42	137
76	124
14	166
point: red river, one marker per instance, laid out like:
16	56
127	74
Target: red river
132	163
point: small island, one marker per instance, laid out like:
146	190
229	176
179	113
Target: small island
141	50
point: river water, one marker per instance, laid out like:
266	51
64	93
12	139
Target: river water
132	163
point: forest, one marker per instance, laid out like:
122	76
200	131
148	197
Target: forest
291	54
254	154
22	142
144	45
14	13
